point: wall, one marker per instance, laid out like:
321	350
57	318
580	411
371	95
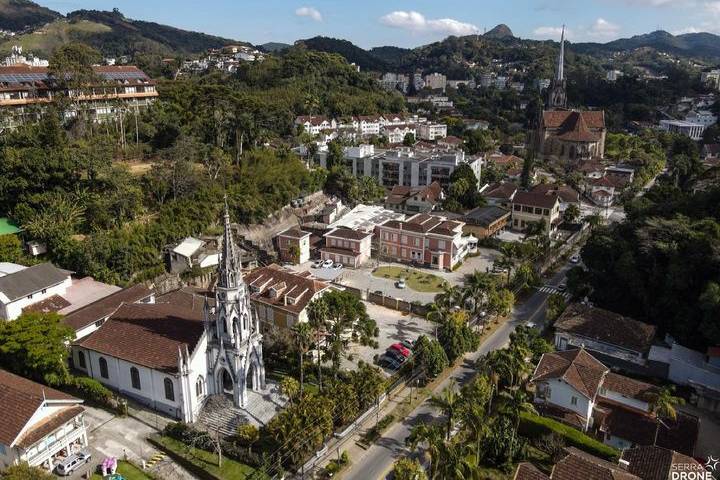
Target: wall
561	394
575	341
622	399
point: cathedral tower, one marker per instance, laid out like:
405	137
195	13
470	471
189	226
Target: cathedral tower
557	98
234	339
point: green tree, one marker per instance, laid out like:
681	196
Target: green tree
290	388
409	139
34	346
11	249
429	356
335	155
408	469
318	314
302	334
448	402
24	471
664	403
456	336
571	214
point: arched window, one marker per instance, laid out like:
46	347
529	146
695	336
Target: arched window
103	368
199	387
135	378
81	359
169	389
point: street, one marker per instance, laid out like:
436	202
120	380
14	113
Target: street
377	461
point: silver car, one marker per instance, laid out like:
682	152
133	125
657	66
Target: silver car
73	462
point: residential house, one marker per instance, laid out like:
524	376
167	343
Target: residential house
396	133
422	199
348	247
605	332
431	131
577	465
450	142
39	425
314	124
191	252
484	222
89	318
568	195
500	194
370	124
423	239
531	207
651	462
575	388
27	286
281	296
293	245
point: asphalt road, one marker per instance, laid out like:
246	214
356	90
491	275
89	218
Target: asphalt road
378	460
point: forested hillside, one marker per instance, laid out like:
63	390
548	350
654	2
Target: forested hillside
18	15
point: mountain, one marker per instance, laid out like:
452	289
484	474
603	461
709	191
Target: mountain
500	31
110	32
272	47
691	45
19	15
352	53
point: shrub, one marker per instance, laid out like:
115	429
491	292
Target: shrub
534	426
94	391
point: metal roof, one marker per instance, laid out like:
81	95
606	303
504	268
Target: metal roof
30	280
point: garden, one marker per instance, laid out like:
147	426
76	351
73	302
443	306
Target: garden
414	279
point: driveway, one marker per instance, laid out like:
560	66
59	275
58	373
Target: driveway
113	436
394	326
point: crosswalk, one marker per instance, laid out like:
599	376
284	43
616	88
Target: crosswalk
550	290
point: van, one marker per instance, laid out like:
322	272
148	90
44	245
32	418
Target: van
72	463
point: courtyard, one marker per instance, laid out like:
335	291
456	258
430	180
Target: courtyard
416	280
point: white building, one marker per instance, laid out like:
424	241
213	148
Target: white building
314	124
431	131
27	286
397	133
689	129
702	117
711	78
436	81
370	124
173	354
38	424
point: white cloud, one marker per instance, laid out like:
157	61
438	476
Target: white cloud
416	22
310	12
602	29
552	33
682	31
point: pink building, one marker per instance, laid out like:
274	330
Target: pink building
423	239
349	247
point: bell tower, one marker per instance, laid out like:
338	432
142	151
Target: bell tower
557	97
233	332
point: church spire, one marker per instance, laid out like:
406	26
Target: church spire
560	73
229	274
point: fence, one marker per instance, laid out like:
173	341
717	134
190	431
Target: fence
389	302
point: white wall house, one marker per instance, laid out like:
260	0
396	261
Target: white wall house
431	131
28	286
38	424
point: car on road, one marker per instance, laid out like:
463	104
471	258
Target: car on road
327	263
530	324
399	347
575	259
72	463
562	287
317	264
400	283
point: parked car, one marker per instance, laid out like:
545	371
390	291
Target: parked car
327	263
317	264
498	269
399	357
575	259
72	463
399	347
378	292
400	283
337	266
409	344
562	287
388	361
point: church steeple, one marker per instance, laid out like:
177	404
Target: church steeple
229	274
557	98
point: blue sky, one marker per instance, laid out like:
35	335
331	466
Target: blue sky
370	23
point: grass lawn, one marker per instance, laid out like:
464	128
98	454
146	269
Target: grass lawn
127	470
415	279
206	460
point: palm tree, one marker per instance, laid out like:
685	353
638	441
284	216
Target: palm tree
317	318
514	402
475	421
303	334
432	436
448	402
663	403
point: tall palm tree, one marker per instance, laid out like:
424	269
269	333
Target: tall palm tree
663	404
513	403
474	419
448	402
317	318
303	334
432	436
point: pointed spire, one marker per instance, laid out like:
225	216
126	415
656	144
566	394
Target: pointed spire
560	74
229	267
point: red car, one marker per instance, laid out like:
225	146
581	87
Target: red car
400	348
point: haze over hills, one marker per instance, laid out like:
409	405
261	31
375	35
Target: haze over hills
691	45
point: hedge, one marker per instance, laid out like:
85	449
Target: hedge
534	426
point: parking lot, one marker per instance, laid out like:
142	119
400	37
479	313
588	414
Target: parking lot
394	327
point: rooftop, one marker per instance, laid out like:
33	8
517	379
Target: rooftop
8	227
105	306
576	367
294	232
656	463
279	287
485	216
581	465
30	280
607	327
535	199
366	218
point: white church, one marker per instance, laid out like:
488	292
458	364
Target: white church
175	354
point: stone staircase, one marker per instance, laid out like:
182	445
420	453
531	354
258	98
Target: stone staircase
219	414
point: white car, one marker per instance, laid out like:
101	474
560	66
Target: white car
327	263
317	264
575	259
400	283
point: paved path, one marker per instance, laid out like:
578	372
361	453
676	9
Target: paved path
377	461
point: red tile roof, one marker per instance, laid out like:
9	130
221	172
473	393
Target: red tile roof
576	367
528	471
579	465
48	425
566	193
656	463
287	284
150	334
20	398
294	232
629	387
105	306
347	234
502	191
591	118
575	129
534	199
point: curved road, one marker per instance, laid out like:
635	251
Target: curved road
377	461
